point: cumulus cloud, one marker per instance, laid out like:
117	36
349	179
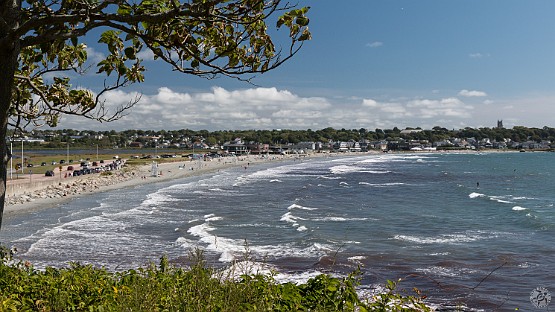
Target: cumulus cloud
472	93
271	108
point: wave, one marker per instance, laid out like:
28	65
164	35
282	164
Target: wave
518	208
446	272
382	184
339	219
450	239
330	178
345	169
476	195
295	206
289	217
240	268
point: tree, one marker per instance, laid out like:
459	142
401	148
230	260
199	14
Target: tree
40	43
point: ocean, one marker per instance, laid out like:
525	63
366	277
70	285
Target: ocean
469	229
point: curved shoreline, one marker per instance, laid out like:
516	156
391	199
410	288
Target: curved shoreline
59	192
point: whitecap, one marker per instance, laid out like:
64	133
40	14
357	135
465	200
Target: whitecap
302	228
518	208
382	184
295	206
357	258
339	219
213	219
289	217
475	195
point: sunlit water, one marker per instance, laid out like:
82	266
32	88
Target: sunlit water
442	222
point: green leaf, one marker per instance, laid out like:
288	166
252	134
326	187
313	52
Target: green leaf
130	53
302	21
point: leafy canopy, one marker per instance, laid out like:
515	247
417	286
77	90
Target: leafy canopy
204	38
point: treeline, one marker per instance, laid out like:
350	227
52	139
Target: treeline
106	139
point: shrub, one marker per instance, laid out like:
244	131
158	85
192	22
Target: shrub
166	288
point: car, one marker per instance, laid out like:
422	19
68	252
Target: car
94	163
101	161
62	161
53	163
69	168
49	173
71	161
76	173
29	165
43	163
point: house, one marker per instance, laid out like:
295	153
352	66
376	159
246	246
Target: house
236	147
258	148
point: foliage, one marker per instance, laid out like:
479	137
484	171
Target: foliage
86	139
201	38
42	50
167	288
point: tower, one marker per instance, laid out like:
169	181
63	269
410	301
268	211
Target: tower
500	124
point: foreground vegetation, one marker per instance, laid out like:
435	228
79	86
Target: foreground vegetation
167	288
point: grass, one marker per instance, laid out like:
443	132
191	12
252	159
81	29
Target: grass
163	287
76	159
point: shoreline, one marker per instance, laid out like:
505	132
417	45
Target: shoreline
59	192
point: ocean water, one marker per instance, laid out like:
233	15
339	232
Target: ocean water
473	229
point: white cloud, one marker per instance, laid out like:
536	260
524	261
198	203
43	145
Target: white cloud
272	108
369	103
146	55
472	93
94	56
375	44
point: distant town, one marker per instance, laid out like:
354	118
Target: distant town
298	141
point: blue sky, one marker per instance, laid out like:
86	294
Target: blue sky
374	64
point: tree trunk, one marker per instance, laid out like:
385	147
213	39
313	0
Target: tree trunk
9	51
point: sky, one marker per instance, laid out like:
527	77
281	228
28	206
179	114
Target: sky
371	64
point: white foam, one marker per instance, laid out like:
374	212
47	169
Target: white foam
475	195
213	219
357	258
295	206
500	199
302	228
345	169
518	208
339	219
382	184
289	217
275	180
201	230
240	268
448	239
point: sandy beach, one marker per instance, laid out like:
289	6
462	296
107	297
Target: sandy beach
52	192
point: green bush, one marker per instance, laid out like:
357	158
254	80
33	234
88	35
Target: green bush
167	288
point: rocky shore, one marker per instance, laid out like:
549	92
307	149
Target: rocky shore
73	187
52	194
